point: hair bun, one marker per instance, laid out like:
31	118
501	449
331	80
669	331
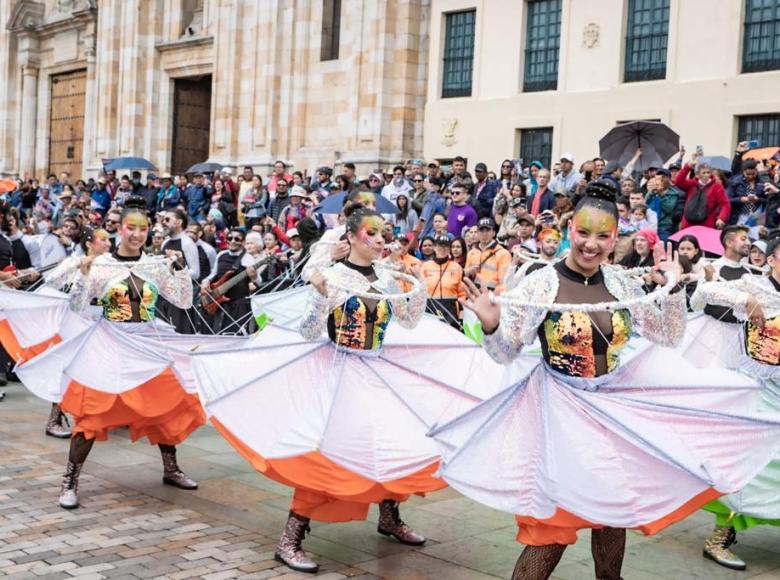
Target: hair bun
135	202
602	189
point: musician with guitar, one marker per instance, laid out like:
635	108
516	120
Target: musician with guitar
225	291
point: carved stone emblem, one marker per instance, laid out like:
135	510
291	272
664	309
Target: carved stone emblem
449	126
590	35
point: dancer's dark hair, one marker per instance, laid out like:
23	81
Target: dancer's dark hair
600	195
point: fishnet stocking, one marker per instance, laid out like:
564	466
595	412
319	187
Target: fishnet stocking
166	448
80	447
608	546
538	562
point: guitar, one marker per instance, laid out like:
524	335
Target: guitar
210	300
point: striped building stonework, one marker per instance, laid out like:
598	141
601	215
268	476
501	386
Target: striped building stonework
242	82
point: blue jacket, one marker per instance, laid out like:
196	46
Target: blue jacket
737	188
168	198
101	199
483	201
435	204
198	201
547	201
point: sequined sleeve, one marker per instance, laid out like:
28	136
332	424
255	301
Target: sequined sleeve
64	273
662	323
732	294
175	287
84	289
519	322
315	315
408	311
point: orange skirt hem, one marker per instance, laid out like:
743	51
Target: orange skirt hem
328	492
562	527
159	410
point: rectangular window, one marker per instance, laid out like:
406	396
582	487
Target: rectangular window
761	46
536	145
647	35
542	43
764	128
458	54
331	29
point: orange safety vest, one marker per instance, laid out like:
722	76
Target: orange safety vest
444	281
492	265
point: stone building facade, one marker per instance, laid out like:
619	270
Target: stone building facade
235	81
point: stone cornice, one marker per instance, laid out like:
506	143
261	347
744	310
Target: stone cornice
26	17
187	42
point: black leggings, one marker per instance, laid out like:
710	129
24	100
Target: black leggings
607	545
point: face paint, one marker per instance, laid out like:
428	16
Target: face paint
547	233
595	222
133	221
367	198
100	235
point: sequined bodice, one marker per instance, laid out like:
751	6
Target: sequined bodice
359	324
130	300
572	343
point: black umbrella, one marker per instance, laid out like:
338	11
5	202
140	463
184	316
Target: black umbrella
130	163
205	167
657	142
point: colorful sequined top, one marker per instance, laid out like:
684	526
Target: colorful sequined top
761	344
353	319
577	343
128	288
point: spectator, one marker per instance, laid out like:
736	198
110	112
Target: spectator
405	219
484	192
322	186
523	235
567	180
488	263
434	203
293	212
666	201
460	175
706	203
100	196
507	176
169	195
443	279
375	183
282	199
461	215
426	249
532	183
124	191
518	207
757	256
113	219
418	193
471	237
544	198
642	254
748	195
230	185
280	174
637	198
613	172
459	251
198	199
397	186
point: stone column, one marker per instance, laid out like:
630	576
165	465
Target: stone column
29	108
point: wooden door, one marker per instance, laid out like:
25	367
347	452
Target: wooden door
66	125
191	122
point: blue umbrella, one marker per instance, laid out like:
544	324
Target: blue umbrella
121	163
334	202
717	162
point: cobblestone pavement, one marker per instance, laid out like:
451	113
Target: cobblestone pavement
131	526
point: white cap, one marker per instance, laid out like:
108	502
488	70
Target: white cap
227	171
567	157
292	232
298	191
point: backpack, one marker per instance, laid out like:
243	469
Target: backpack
696	210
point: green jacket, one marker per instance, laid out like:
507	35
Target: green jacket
668	207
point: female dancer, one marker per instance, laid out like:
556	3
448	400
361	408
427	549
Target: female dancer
581	443
342	418
126	285
755	301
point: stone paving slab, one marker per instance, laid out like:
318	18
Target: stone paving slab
131	526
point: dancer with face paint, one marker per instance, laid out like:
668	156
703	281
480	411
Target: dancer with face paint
583	442
101	373
342	417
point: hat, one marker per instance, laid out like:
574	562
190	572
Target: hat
760	244
101	180
664	171
529	219
166	176
442	241
650	236
325	169
675	165
561	193
480	167
227	171
611	167
297	191
376	175
293	233
432	164
151	176
749	164
486	223
567	157
517	201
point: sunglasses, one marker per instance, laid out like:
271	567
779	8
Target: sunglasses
235	239
112	222
417	180
506	167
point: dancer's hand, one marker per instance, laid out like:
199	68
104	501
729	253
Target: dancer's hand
320	283
478	301
755	312
339	251
667	261
86	265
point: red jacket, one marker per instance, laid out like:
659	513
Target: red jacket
718	205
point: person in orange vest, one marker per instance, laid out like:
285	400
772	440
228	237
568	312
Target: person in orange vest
404	261
488	263
443	277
